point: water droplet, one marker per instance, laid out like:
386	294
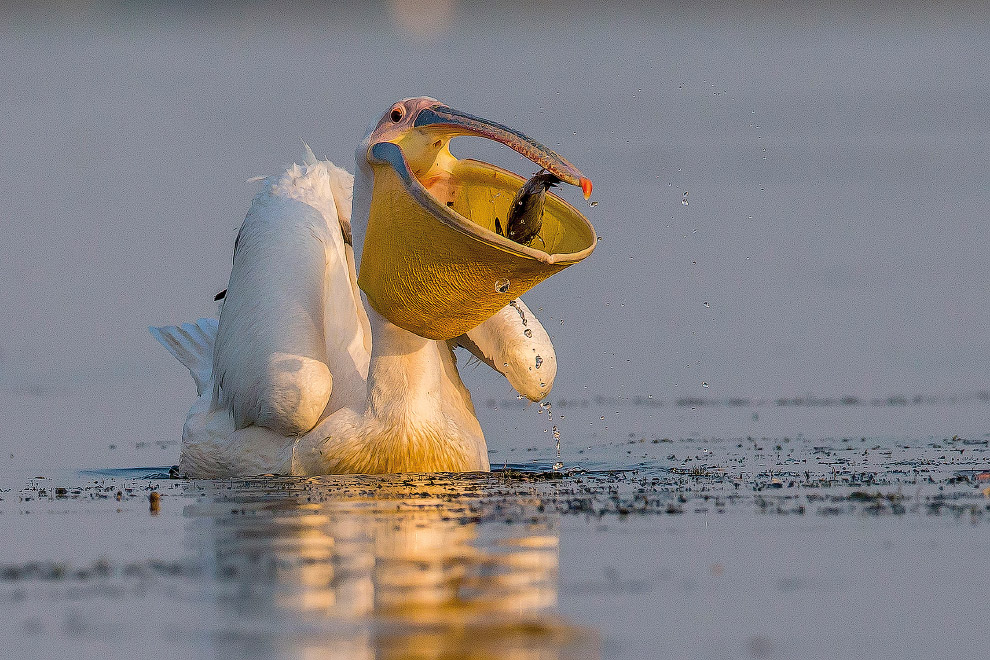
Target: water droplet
501	285
528	332
603	417
706	304
539	361
704	384
684	199
558	465
593	203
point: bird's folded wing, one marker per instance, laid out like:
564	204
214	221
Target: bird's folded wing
515	343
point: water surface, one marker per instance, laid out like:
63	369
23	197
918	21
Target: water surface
771	394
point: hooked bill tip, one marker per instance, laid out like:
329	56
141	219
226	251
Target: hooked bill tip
586	187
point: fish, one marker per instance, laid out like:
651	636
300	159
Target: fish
525	217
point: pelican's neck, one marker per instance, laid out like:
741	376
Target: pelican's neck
404	377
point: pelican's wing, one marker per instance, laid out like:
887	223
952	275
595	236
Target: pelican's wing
291	316
192	345
514	343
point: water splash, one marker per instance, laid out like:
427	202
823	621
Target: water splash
522	315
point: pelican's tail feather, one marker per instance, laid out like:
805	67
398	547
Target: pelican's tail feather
192	345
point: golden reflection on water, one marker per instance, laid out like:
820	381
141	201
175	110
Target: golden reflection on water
393	567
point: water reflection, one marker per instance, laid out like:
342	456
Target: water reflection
381	567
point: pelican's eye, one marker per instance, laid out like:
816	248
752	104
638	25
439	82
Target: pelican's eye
396	114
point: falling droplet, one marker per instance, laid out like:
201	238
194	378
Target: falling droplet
593	203
501	285
706	304
539	361
704	384
528	332
684	199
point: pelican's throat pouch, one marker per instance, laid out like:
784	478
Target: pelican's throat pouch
432	263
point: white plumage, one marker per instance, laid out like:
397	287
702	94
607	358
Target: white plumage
300	377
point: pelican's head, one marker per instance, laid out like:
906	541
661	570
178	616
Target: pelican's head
432	262
423	127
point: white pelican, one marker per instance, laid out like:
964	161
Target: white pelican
300	376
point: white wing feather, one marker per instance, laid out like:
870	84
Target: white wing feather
192	345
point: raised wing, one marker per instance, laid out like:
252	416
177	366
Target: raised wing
293	342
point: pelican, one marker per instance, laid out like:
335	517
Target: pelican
311	369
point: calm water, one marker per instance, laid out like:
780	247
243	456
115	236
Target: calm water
741	548
780	383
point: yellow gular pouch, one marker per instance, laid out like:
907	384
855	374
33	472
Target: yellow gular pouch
432	263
